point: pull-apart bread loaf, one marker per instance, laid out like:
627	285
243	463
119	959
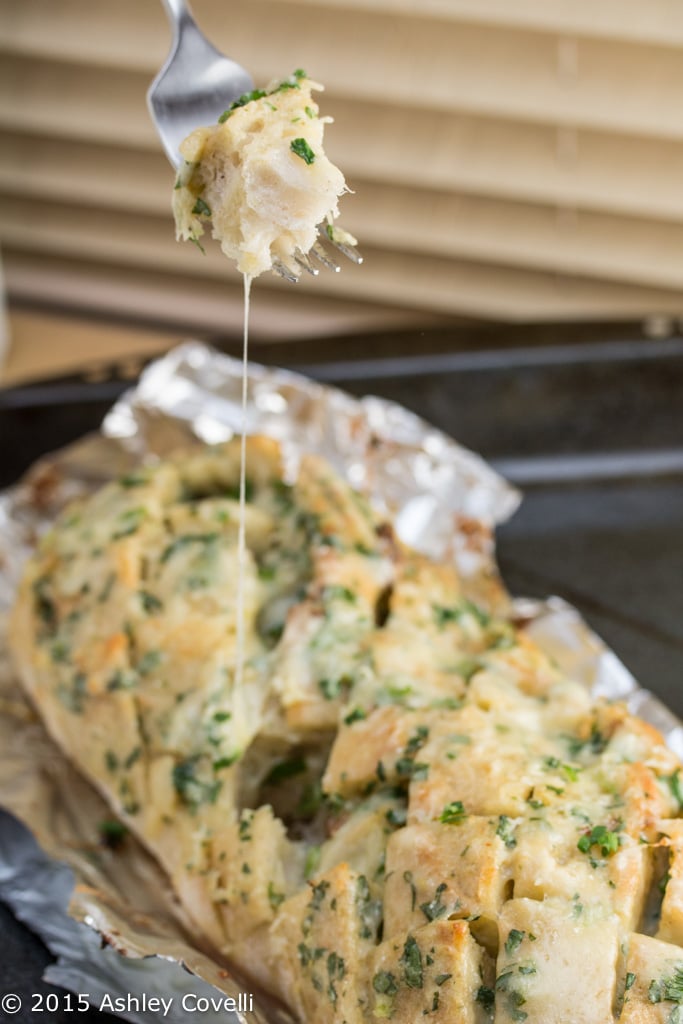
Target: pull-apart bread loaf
405	811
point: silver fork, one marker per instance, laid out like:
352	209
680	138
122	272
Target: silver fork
195	85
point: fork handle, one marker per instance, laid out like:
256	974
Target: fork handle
178	10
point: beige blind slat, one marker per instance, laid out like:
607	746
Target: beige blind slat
531	75
655	21
179	301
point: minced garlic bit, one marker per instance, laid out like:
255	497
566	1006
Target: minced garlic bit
260	177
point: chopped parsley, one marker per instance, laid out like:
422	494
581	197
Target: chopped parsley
312	861
514	940
150	602
676	787
184	541
506	831
285	770
397	816
384	983
443	614
225	762
600	836
453	813
301	148
357	715
330	688
275	898
411	964
486	997
406	768
131	520
191	789
112	833
335	592
73	696
668	989
43	604
435	908
201	208
148	662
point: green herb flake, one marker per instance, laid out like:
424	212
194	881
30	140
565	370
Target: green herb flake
397	816
246	97
134	756
275	898
150	603
435	908
302	149
285	770
131	520
357	715
406	768
630	981
441	979
506	831
453	813
192	790
600	836
222	716
73	695
148	662
187	540
384	983
411	964
112	833
129	480
43	604
201	208
514	941
60	652
311	800
330	688
312	861
676	786
408	879
668	989
486	997
225	762
335	592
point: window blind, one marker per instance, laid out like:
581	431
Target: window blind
508	161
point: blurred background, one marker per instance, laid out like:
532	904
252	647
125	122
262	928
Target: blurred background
510	162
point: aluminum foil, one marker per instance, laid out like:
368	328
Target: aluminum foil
444	500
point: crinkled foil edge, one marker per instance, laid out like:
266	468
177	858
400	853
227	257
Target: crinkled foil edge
444	500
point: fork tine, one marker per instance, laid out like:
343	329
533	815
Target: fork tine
319	253
303	261
283	271
349	251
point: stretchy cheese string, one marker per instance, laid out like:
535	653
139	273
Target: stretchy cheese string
241	541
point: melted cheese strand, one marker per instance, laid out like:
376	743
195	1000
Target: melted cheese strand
241	543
